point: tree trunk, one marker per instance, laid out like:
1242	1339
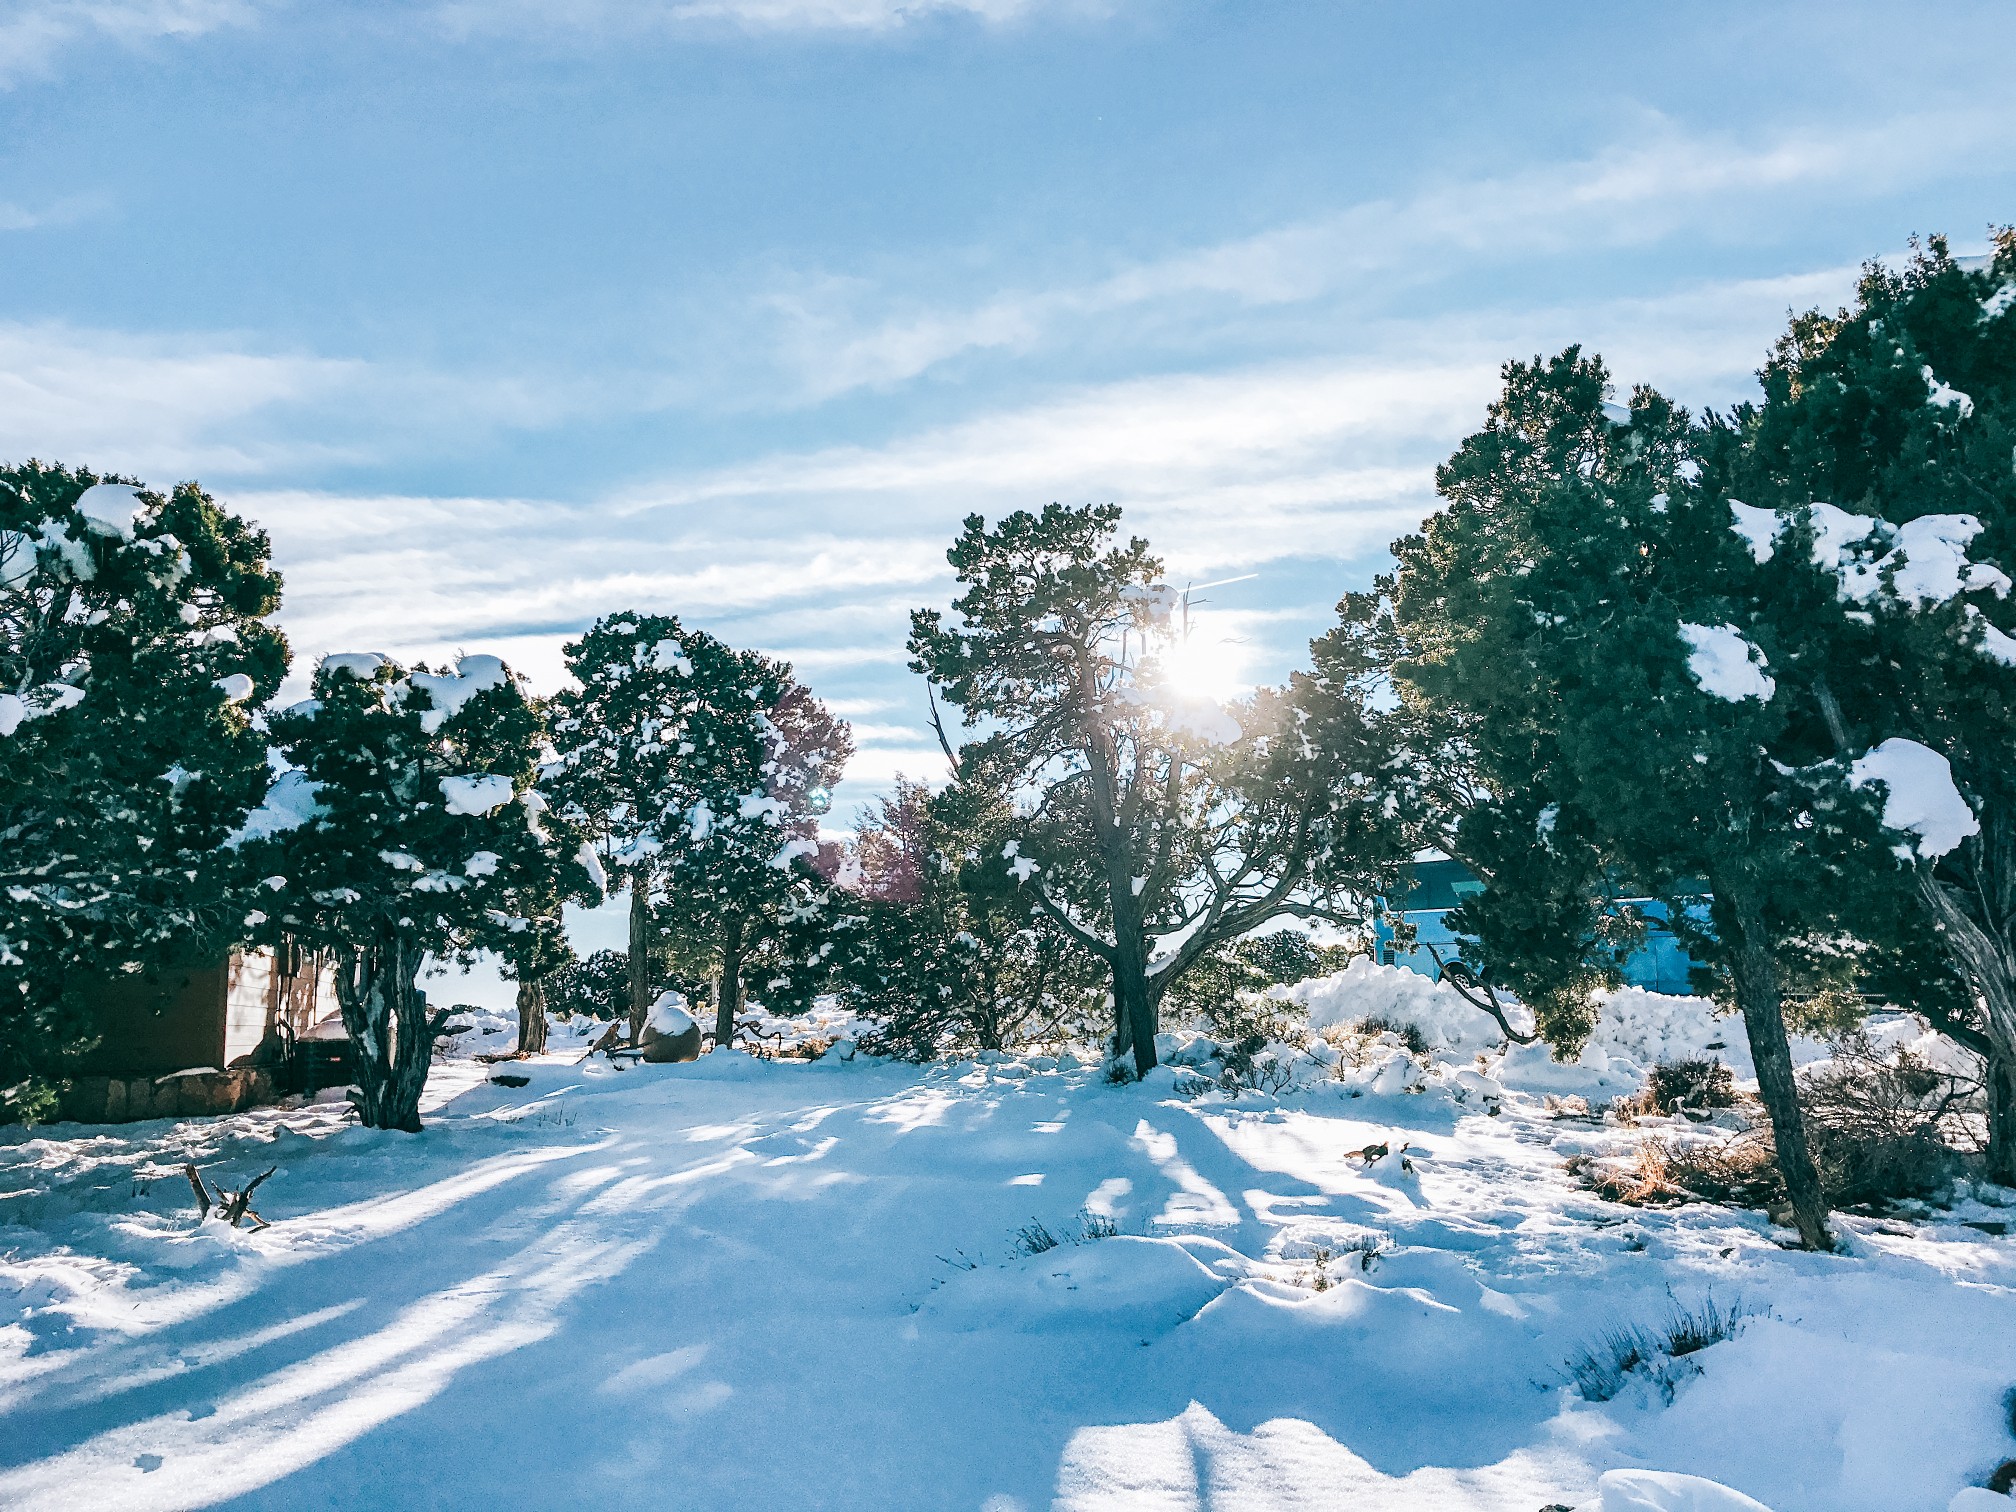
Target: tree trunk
531	1017
1986	962
2001	1076
391	1038
728	991
640	953
1133	1002
1754	971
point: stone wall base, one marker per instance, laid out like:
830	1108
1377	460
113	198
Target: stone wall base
123	1099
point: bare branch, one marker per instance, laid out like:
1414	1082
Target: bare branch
1468	984
202	1193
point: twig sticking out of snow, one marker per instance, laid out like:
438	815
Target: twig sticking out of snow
233	1207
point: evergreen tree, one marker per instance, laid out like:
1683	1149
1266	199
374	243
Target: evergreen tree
1545	930
702	771
596	986
1157	822
1874	487
1221	986
133	642
1584	599
936	944
745	891
408	826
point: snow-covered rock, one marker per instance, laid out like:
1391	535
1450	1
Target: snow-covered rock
1665	1491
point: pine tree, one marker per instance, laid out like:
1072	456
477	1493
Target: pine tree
407	827
1583	598
702	771
1875	471
133	644
1544	929
1159	822
936	944
743	882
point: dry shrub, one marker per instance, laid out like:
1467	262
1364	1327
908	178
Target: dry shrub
1374	1025
1882	1128
1688	1086
1885	1127
807	1049
1741	1172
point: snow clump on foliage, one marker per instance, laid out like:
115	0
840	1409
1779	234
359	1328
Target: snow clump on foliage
1725	664
1919	797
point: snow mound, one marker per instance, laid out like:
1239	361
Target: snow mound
1365	990
1650	1027
479	793
289	803
668	1014
1126	1284
362	665
111	508
449	691
1919	563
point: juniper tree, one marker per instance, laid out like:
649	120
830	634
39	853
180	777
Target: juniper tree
1159	827
934	941
743	884
1874	486
701	770
407	827
594	986
1582	597
628	734
1544	929
133	644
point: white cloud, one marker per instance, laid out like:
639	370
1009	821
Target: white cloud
175	404
757	16
64	212
818	556
156	405
838	340
34	32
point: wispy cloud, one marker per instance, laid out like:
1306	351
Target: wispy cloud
164	405
601	17
175	404
34	32
818	555
67	211
841	333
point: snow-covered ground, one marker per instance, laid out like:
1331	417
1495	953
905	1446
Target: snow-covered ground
780	1284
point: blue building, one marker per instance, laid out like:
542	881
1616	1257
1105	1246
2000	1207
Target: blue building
1436	885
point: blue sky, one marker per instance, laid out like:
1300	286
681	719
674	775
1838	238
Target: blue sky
503	316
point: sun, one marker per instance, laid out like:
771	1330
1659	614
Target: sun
1206	666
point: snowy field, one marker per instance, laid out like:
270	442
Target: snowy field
749	1284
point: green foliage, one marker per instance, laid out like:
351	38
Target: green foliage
595	986
133	643
702	771
1900	407
1218	985
1548	601
937	946
1689	1086
390	849
409	827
